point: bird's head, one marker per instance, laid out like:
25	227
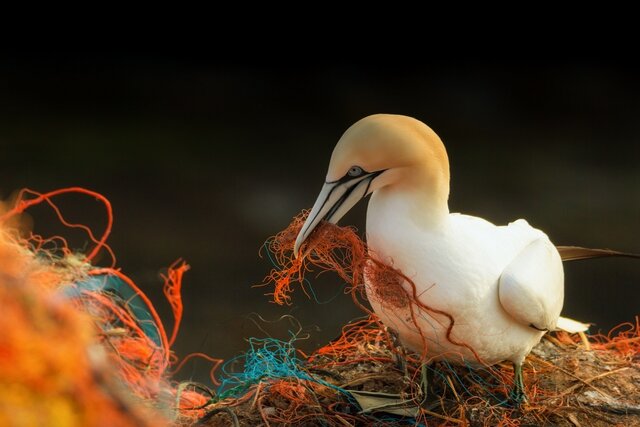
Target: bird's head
379	151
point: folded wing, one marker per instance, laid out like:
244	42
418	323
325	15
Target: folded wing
531	287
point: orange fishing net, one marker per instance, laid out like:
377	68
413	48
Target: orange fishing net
75	350
82	345
564	381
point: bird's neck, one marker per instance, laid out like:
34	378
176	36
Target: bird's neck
421	196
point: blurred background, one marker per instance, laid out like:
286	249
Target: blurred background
204	162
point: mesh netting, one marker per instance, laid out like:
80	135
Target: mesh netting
83	346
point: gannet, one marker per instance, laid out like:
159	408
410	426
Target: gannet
502	285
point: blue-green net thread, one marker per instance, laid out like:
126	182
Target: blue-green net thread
266	359
122	294
273	359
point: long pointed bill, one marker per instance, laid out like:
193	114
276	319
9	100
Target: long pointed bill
335	199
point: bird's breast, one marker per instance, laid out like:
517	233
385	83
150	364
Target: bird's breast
455	264
446	259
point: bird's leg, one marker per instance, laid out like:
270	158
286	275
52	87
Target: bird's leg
426	385
399	352
518	394
427	372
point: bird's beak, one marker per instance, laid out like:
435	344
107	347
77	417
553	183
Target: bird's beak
335	199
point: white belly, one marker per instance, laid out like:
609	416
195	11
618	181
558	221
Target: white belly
455	269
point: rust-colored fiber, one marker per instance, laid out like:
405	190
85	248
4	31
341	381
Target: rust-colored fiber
386	286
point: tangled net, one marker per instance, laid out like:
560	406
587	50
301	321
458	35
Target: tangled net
83	346
356	380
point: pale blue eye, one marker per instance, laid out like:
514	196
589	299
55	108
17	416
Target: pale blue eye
355	171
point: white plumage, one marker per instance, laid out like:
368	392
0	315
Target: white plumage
494	281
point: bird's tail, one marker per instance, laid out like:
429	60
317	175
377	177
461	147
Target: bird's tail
574	253
571	326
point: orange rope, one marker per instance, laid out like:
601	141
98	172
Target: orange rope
22	204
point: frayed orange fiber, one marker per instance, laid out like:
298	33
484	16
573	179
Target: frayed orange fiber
52	367
83	345
336	249
172	291
330	248
160	361
349	347
290	402
624	338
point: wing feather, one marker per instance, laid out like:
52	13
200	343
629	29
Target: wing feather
574	253
531	287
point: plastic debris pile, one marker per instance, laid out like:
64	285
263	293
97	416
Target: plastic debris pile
83	346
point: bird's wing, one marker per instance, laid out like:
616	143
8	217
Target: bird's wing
573	253
531	287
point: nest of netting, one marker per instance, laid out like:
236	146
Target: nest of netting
359	380
82	345
365	378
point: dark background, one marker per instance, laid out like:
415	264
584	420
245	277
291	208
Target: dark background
205	161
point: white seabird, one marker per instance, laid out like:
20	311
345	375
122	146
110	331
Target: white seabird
503	285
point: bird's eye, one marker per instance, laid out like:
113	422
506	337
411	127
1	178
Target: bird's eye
355	171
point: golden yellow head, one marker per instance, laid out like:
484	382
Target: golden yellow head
380	151
384	142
